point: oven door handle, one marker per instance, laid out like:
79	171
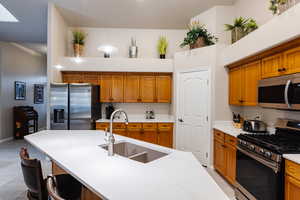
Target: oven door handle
286	93
269	164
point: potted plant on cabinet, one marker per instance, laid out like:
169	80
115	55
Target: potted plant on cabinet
279	6
78	42
162	47
250	26
237	29
198	36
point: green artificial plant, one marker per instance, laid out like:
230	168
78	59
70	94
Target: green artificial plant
79	37
162	45
274	5
196	31
239	22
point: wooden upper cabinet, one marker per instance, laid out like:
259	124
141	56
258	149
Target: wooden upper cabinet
235	86
271	66
112	87
117	88
291	60
163	88
72	77
250	76
105	88
132	88
243	83
91	77
147	88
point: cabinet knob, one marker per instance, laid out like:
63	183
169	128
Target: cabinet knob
180	120
284	69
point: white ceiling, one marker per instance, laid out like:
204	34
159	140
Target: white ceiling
165	14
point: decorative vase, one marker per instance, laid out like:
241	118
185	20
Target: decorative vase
78	50
133	52
236	34
162	56
199	43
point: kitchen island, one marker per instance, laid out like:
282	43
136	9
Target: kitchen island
177	175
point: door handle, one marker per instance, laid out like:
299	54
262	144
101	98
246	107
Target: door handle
180	120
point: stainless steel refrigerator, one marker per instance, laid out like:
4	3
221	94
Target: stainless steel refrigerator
74	106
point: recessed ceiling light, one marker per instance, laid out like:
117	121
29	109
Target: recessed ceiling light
6	16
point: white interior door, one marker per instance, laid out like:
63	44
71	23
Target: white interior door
193	109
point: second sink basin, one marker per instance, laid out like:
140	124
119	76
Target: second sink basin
135	152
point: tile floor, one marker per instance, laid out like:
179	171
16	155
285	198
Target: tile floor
11	179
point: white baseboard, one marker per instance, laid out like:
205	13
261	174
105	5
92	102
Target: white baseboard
6	139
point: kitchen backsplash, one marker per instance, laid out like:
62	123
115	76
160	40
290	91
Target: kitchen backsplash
267	115
140	108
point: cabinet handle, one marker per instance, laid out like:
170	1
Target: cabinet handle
284	69
223	146
279	70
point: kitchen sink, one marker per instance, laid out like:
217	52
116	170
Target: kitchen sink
135	152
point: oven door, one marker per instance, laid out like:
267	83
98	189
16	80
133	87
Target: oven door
257	178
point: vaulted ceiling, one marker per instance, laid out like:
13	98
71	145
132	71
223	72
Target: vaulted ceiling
165	14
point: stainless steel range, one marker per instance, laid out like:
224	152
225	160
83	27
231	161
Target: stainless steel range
260	165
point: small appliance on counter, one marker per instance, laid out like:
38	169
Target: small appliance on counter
254	126
150	114
109	110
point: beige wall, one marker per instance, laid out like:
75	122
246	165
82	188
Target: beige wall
17	64
257	9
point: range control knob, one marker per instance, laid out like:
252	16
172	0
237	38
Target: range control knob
252	147
268	154
262	151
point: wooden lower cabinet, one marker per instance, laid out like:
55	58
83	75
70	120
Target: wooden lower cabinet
292	180
225	155
156	133
86	194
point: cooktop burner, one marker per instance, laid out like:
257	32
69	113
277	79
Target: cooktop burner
283	141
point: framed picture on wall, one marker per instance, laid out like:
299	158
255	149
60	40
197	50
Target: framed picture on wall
38	94
20	90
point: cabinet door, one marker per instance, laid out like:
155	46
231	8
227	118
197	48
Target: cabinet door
219	157
149	135
73	77
230	155
91	77
135	133
132	88
117	88
291	61
292	188
271	66
163	88
147	88
122	132
105	88
165	137
235	86
250	77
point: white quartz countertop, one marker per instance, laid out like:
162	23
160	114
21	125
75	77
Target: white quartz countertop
228	128
293	157
178	175
142	119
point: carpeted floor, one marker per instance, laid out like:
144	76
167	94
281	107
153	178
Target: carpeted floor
12	185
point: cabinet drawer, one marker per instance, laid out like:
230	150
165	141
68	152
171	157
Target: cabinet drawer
102	126
149	126
119	125
165	126
219	135
230	140
293	169
134	126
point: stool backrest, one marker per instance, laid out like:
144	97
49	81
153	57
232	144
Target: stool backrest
52	188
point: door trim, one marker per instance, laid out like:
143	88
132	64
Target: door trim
176	89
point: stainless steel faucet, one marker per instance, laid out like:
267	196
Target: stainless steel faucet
111	138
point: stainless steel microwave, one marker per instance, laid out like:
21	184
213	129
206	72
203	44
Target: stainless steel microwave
280	92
